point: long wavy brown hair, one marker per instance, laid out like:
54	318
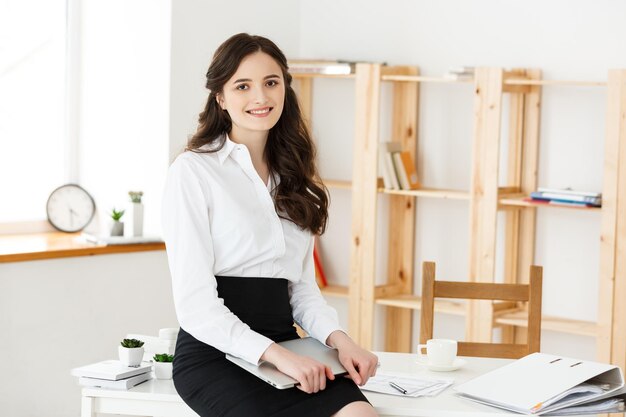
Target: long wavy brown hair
300	196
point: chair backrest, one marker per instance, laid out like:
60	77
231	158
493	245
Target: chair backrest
530	293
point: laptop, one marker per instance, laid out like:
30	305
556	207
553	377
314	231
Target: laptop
306	347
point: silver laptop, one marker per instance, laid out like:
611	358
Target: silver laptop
306	347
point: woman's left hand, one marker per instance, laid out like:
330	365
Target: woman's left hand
360	363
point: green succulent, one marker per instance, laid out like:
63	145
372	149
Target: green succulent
117	215
163	357
135	196
131	343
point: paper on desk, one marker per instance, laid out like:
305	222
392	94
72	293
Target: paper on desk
415	386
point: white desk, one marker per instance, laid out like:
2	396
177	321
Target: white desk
159	398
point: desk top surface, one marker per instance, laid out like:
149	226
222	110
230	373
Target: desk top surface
445	404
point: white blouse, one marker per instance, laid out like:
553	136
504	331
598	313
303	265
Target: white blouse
219	219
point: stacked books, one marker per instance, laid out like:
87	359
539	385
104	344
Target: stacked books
567	196
321	67
397	167
112	374
460	73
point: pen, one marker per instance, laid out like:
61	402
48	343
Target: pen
398	387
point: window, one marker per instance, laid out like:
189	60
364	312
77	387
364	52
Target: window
34	144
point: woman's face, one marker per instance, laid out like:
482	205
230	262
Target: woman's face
254	96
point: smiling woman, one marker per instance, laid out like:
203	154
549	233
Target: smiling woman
240	211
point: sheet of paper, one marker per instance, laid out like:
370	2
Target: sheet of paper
414	386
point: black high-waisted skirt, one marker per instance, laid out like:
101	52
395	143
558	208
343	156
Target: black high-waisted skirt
213	386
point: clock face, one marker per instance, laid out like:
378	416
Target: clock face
70	208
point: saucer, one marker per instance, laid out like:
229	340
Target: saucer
458	363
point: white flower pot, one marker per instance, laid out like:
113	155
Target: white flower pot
136	219
117	228
163	370
130	356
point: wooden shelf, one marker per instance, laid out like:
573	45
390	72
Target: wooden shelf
36	246
519	201
430	192
520	81
424	79
344	185
556	324
414	302
314	75
335	291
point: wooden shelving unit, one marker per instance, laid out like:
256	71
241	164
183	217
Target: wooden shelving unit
491	86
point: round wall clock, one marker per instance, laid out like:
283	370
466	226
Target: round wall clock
70	208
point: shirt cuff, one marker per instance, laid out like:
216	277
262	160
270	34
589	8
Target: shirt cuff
322	331
251	346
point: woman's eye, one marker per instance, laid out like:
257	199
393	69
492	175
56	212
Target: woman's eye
242	87
272	83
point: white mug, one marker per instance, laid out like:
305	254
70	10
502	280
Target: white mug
439	352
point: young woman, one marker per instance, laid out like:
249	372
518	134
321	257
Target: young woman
240	209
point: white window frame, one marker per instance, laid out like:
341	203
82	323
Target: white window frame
72	116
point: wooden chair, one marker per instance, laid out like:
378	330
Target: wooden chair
530	293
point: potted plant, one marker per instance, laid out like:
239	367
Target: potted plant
131	352
117	227
136	213
163	365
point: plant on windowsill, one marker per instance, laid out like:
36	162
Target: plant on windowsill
131	352
163	365
136	213
117	227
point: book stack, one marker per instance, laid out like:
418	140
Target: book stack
460	73
567	196
398	169
112	374
321	67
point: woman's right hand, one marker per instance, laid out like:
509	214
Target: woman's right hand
310	373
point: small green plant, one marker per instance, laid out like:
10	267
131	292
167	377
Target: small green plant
135	196
163	357
117	215
131	343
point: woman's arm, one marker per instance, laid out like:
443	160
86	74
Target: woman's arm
187	235
361	364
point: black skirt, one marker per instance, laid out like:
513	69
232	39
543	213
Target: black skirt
213	386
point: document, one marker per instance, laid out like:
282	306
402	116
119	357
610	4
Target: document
540	383
406	385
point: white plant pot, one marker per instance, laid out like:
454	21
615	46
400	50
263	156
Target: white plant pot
136	219
117	228
130	356
163	370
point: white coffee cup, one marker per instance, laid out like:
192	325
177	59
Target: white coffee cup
439	352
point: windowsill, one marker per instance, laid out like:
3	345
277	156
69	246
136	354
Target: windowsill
52	245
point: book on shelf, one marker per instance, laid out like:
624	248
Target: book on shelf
121	384
566	198
560	203
320	276
111	370
460	73
390	178
407	171
320	67
569	191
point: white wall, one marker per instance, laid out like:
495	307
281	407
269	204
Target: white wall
59	314
198	28
566	39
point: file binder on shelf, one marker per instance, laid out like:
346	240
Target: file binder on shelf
540	383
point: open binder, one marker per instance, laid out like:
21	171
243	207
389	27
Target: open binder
540	384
